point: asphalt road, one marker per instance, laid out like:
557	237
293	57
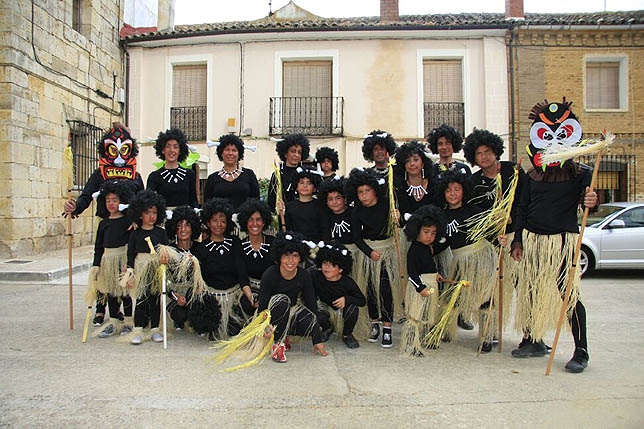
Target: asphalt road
50	379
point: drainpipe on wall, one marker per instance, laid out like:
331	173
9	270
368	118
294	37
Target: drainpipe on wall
514	15
241	86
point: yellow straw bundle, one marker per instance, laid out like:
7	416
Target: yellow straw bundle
555	153
435	336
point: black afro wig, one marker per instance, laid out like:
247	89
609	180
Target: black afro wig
230	140
450	176
407	150
363	176
328	153
205	314
332	185
428	215
182	213
119	131
482	138
288	242
172	134
144	200
218	205
337	254
309	174
251	206
117	187
291	140
378	137
450	133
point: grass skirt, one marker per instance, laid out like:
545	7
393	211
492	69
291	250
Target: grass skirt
113	263
229	302
146	281
476	263
421	313
544	268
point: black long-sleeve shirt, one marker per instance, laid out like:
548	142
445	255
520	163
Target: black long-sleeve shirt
370	223
549	201
177	185
305	218
337	227
222	263
111	233
457	166
273	283
485	189
289	186
408	204
137	243
245	186
420	260
257	261
456	231
93	185
328	291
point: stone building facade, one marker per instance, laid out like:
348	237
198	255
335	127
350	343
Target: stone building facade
61	80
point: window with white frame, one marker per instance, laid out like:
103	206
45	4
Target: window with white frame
606	83
443	94
189	100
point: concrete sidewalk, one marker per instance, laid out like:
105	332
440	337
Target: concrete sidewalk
50	379
47	266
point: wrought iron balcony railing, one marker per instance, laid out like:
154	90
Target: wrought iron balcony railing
436	114
191	120
314	116
83	138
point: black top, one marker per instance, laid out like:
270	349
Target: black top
137	243
257	261
420	260
328	291
456	231
407	203
370	223
549	201
305	218
457	166
485	189
289	186
337	227
177	185
111	233
93	185
245	186
273	283
222	263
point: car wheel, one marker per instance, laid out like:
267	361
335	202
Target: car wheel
586	261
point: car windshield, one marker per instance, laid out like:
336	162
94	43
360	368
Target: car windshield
599	215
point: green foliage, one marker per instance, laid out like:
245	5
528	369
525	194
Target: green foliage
263	188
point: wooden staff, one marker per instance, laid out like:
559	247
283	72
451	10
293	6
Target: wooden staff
573	267
163	293
279	195
68	168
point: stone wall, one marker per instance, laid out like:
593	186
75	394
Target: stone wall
550	64
50	73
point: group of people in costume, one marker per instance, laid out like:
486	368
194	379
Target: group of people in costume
409	239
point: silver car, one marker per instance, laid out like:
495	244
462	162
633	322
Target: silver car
614	238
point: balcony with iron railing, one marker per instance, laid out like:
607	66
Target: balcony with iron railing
437	113
313	116
192	120
83	138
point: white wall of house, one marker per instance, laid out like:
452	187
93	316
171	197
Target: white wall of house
378	78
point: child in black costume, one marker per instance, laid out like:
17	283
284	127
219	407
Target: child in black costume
305	213
338	293
292	149
329	162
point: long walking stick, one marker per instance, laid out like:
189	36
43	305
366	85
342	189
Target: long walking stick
575	260
279	196
68	169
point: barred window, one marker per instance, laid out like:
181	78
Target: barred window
189	100
83	138
443	94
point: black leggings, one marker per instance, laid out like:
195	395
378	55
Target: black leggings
114	304
148	308
349	319
303	323
385	309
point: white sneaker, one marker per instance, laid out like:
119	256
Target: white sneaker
126	330
157	337
138	338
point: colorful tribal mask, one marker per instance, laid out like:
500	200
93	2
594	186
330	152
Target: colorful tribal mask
555	127
117	155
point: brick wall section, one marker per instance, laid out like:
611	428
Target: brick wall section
35	102
551	64
389	10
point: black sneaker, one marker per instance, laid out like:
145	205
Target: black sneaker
486	347
579	361
529	348
120	316
350	341
98	319
375	333
387	342
464	324
326	334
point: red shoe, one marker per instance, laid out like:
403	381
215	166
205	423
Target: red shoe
287	344
278	354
